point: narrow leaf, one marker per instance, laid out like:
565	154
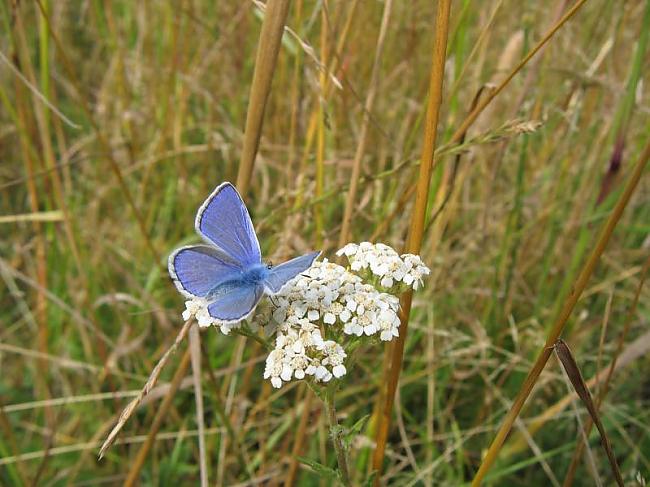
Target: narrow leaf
573	371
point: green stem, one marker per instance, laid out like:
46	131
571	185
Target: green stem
245	331
336	435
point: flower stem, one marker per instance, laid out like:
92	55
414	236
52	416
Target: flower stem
245	331
336	433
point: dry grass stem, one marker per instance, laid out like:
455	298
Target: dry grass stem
195	353
416	229
558	326
363	134
134	472
267	54
500	158
149	385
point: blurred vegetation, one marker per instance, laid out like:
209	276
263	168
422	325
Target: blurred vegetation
118	118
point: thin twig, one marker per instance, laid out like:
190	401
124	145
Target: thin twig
363	136
267	54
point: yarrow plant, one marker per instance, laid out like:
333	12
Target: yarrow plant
319	317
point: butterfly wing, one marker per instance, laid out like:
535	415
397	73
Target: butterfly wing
283	273
236	303
197	269
223	220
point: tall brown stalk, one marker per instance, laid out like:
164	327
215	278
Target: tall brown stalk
416	230
562	318
268	48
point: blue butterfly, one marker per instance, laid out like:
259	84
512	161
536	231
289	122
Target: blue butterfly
228	272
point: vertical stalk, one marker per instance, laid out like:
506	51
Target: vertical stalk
336	436
295	103
562	319
265	61
416	230
195	359
268	48
320	141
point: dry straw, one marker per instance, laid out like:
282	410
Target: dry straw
561	320
149	385
416	231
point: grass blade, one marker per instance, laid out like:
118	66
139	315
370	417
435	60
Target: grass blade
573	371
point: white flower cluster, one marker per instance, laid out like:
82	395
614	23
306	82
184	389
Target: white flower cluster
302	351
325	295
387	265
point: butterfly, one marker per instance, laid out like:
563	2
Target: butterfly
227	271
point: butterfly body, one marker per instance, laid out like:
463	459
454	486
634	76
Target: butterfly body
254	276
227	272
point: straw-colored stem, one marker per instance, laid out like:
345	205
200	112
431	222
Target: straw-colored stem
320	139
41	252
149	385
275	16
416	230
265	61
562	318
295	103
363	136
138	463
310	133
195	354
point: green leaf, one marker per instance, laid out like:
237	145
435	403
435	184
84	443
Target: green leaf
355	430
319	468
371	479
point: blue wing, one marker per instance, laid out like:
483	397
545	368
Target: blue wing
283	273
237	303
223	220
197	269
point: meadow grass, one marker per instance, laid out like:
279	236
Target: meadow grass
514	164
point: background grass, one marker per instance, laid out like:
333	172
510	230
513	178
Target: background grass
159	93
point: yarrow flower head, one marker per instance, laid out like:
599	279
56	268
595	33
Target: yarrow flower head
385	266
319	315
326	299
